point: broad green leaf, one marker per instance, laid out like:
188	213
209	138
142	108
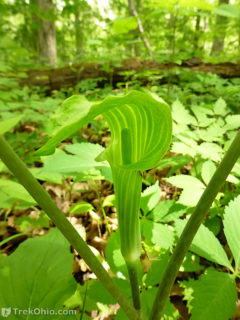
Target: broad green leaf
6	201
188	145
208	169
98	293
191	263
179	128
220	107
189	197
231	224
192	188
38	275
205	244
184	181
228	10
124	25
114	256
214	296
231	178
181	115
65	122
211	151
232	122
214	133
2	257
87	150
166	211
109	201
8	124
14	190
150	197
203	115
175	162
214	225
25	222
41	174
157	233
157	269
77	299
182	148
80	207
64	163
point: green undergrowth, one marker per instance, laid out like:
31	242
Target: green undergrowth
205	119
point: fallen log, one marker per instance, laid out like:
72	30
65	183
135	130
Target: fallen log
54	79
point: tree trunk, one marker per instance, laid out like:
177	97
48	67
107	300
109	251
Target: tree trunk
78	35
34	25
133	12
220	32
197	33
131	7
47	33
78	5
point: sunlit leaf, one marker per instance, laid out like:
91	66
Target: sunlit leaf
231	224
205	244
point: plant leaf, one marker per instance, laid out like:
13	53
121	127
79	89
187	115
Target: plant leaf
124	25
150	197
231	224
205	244
15	191
181	115
8	124
192	188
38	275
157	269
220	107
158	233
166	211
214	296
208	170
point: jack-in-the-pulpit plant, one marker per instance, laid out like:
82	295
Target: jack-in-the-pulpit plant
141	130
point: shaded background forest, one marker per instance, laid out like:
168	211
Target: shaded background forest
40	33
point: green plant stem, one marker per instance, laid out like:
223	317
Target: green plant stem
18	168
133	276
192	227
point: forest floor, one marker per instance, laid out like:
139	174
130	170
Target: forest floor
33	131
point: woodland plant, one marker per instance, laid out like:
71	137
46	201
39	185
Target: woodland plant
141	129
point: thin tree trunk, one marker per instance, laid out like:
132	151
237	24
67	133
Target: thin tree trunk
220	32
197	33
34	25
133	12
238	36
133	32
47	34
78	34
